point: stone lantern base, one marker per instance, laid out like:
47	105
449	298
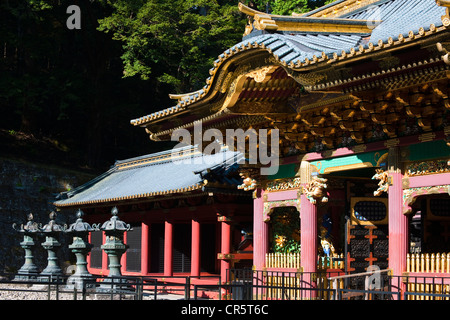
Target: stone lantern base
27	273
117	285
81	282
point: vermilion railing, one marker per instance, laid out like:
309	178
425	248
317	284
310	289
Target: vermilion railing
292	261
428	262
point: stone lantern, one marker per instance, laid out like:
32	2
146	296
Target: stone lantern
28	271
81	248
114	247
51	231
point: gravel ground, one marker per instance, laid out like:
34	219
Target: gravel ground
40	292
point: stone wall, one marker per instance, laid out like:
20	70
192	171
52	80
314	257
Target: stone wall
29	187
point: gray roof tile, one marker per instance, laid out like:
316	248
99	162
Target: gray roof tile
149	175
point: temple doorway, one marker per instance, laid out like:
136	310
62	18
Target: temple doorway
356	219
429	225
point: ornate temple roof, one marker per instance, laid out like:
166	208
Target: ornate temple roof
165	173
341	32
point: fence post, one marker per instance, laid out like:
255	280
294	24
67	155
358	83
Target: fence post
187	292
75	293
57	288
140	289
83	292
48	289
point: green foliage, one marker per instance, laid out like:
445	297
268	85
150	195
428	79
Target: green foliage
285	230
81	87
281	7
174	42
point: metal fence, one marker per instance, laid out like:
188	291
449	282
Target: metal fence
241	284
372	285
102	288
247	284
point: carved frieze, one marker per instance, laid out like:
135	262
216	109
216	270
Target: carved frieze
410	195
283	184
427	167
269	206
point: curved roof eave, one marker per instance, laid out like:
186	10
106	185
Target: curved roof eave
284	46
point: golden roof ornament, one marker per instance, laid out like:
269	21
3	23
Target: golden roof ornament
445	18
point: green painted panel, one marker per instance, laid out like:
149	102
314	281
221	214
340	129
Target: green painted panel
285	171
428	150
356	161
421	151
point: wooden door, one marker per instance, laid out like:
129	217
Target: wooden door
367	234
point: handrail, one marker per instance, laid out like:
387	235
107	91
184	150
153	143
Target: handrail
367	285
358	274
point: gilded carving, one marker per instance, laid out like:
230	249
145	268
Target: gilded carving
445	18
314	191
226	82
248	182
427	167
410	195
309	79
261	75
283	184
383	185
269	206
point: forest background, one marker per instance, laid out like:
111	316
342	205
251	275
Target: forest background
67	95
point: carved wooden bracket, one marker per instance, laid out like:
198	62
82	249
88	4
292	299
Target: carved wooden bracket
314	191
383	185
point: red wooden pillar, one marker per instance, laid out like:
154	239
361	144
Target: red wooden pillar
260	242
398	227
123	258
308	230
260	231
225	247
309	240
398	222
195	249
168	248
308	234
144	248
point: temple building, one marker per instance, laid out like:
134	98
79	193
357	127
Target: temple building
184	208
357	95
